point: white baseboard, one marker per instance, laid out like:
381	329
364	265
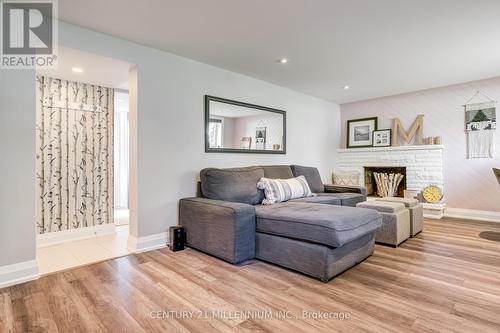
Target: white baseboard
472	214
434	216
18	273
147	243
59	237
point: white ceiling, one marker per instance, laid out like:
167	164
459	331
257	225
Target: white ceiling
98	70
377	47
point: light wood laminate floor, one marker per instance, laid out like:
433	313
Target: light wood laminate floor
445	279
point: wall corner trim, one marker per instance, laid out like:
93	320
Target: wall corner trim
18	273
147	243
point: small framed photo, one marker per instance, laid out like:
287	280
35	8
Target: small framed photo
246	142
382	138
260	138
360	132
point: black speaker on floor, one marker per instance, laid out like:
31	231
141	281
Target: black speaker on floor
177	238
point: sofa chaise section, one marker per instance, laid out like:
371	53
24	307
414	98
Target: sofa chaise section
320	199
315	239
329	225
317	260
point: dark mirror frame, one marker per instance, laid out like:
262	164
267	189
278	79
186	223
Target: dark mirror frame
209	98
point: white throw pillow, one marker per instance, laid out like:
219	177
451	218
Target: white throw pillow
346	178
279	190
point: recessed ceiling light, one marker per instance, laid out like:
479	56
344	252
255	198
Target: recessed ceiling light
283	61
345	87
77	70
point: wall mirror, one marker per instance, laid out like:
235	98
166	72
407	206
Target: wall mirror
237	127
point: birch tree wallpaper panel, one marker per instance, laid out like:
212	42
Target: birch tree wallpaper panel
74	155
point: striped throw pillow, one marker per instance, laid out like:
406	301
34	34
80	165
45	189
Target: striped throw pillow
279	190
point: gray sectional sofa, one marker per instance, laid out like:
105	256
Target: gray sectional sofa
321	236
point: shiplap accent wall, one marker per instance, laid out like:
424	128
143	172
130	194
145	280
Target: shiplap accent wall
468	183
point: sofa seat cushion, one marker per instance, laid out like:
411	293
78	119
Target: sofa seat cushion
321	199
324	224
346	199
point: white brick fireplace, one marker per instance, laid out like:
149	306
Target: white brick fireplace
424	164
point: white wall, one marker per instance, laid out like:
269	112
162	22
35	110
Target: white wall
169	135
17	166
468	183
121	150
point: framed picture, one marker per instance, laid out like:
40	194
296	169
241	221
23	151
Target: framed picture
360	131
246	142
382	138
260	138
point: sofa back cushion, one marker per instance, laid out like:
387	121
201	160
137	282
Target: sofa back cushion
312	176
235	184
277	171
280	190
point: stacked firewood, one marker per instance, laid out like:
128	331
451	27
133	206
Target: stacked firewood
387	184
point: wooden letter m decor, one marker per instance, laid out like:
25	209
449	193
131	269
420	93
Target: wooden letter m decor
417	127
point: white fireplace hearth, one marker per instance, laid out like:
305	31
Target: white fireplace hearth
424	165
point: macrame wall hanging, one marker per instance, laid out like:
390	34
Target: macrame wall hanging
480	125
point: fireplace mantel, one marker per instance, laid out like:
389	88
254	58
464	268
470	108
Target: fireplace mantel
398	148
